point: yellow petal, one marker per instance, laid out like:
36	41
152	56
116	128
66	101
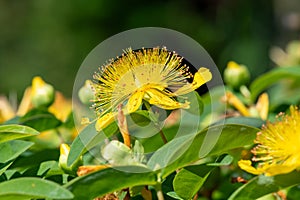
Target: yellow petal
262	106
104	121
135	100
63	158
202	76
64	149
233	65
25	104
6	110
37	82
235	102
61	107
273	170
162	100
246	166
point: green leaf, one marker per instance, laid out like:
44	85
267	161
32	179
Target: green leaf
284	92
87	139
109	180
174	195
49	168
34	159
4	167
140	118
293	193
215	140
273	76
263	185
248	121
154	141
227	160
144	124
188	181
40	120
12	149
28	188
13	131
138	152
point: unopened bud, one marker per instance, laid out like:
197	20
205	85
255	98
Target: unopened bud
63	158
236	75
86	94
42	93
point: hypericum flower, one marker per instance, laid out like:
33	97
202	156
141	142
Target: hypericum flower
278	147
153	75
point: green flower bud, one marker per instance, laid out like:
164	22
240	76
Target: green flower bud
42	93
86	94
63	158
236	75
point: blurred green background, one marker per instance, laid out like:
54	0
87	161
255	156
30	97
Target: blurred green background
51	38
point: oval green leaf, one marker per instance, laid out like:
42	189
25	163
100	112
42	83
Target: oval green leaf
271	77
109	180
263	185
188	181
40	120
215	140
12	149
14	131
32	188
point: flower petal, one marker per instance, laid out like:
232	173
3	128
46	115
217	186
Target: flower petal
162	100
273	170
262	106
202	76
135	101
238	104
104	121
246	166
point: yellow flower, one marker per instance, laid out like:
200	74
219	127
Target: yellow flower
278	149
153	75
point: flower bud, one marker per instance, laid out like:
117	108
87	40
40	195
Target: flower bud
86	93
236	75
42	93
63	158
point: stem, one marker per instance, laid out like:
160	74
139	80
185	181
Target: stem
163	137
